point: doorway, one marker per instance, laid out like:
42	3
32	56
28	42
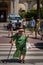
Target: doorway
2	15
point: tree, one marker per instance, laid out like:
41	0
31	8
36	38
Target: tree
38	9
42	2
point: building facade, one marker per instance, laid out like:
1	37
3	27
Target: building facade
13	6
6	7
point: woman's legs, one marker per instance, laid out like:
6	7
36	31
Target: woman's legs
22	58
10	33
22	55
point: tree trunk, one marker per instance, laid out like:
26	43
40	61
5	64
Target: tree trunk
38	9
42	2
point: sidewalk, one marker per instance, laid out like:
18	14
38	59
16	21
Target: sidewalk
21	64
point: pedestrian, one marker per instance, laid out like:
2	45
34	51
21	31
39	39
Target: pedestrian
24	24
32	25
10	29
17	24
37	27
21	39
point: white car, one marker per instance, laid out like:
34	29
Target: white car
13	18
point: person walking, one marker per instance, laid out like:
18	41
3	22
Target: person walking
20	43
17	24
10	29
24	24
37	27
32	24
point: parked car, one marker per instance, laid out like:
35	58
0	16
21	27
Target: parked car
14	19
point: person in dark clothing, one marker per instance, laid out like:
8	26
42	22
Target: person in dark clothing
10	29
17	24
24	24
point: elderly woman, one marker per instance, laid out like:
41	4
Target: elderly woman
20	38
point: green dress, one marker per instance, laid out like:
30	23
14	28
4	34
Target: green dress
20	44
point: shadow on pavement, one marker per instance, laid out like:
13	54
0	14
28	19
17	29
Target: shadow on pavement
10	61
18	61
39	45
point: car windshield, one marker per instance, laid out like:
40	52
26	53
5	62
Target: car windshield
15	18
18	18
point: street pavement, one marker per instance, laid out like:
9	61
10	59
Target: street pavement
34	54
21	64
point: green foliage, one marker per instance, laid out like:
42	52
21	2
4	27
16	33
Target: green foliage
41	13
33	13
23	14
30	14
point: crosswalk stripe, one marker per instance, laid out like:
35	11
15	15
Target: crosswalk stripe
30	52
34	57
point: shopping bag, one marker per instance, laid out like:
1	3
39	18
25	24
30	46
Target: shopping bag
28	45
